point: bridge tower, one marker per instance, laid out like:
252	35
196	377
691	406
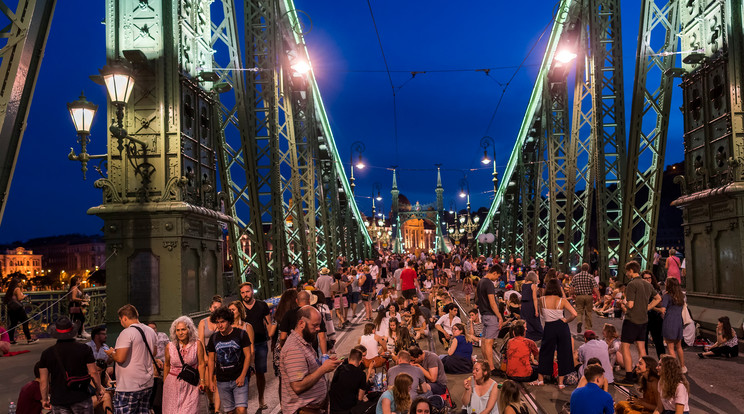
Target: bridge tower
160	207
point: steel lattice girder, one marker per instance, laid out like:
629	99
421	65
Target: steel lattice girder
529	195
562	174
21	55
608	101
542	215
534	108
235	156
649	122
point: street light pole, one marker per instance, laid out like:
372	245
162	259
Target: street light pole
356	146
486	142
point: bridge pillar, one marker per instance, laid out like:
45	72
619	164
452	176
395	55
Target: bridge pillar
713	185
160	208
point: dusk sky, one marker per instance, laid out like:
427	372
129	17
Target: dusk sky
442	114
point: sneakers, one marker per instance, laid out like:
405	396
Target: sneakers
32	341
700	354
578	327
684	370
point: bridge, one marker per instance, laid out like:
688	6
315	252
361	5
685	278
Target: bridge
209	134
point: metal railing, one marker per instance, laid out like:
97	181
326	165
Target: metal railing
43	307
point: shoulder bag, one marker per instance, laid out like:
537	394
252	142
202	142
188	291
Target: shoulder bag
188	373
156	397
79	383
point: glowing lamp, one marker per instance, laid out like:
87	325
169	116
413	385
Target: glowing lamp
82	113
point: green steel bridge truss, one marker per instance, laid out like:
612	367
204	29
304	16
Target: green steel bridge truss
562	170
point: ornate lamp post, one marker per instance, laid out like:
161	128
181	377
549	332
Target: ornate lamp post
82	113
486	142
356	147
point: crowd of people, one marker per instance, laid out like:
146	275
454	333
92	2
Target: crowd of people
518	317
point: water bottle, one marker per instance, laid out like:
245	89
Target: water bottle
324	358
12	408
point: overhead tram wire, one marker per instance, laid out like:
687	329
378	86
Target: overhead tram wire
390	78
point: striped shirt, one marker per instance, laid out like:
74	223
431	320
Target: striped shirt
298	359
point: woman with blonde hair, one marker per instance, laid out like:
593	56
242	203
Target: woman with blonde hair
397	399
184	349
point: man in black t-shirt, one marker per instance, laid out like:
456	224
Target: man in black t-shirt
229	352
257	314
348	385
67	358
289	321
485	298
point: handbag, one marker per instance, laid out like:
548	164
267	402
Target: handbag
156	397
188	373
686	318
80	383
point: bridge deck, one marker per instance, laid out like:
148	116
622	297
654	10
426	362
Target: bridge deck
713	382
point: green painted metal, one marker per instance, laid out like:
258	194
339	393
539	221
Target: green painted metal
608	101
20	59
533	111
649	121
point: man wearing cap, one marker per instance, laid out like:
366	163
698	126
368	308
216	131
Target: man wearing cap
257	314
595	348
323	284
63	360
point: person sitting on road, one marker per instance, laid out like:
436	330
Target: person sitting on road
397	399
349	384
510	400
446	322
647	371
432	367
459	358
583	381
595	348
420	388
727	344
373	343
481	393
521	352
592	399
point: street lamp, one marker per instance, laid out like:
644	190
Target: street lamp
119	82
565	56
356	147
82	113
486	142
377	187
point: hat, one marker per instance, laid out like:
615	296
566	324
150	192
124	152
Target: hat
325	271
589	335
509	286
64	328
313	299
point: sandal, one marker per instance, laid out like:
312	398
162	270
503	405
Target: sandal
561	386
263	407
536	383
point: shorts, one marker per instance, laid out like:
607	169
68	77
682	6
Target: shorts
355	297
262	353
232	396
490	326
340	302
134	402
633	332
366	296
329	302
409	293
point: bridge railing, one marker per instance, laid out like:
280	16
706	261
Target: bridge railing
43	307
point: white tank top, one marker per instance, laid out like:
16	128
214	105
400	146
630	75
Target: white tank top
552	315
369	342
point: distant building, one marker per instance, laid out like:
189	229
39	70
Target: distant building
74	254
20	260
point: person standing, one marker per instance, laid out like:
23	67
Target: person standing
408	281
304	386
64	360
367	286
229	356
76	304
98	343
134	363
556	336
672	306
184	349
584	285
323	284
592	399
640	297
529	311
17	315
485	298
673	266
257	313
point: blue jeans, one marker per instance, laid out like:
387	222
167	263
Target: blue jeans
232	396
